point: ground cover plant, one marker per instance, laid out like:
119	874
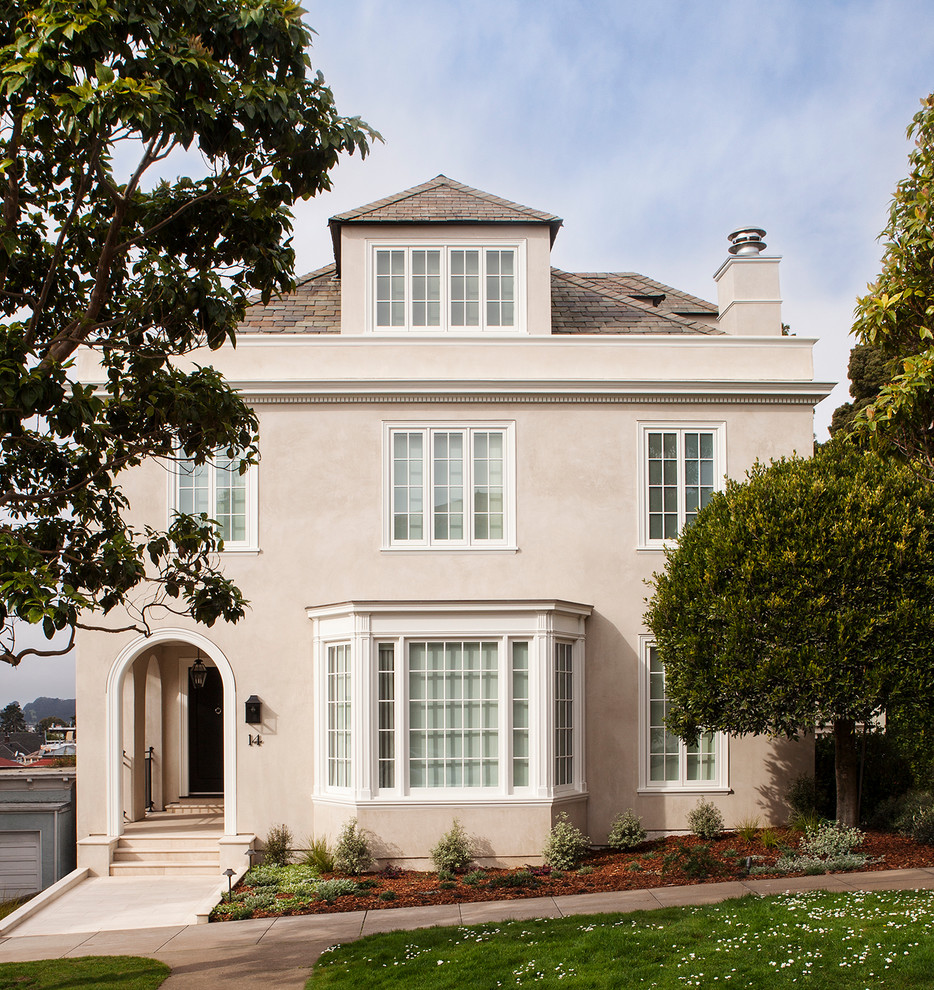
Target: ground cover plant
125	972
269	891
831	941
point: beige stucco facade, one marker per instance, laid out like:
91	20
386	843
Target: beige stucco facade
576	568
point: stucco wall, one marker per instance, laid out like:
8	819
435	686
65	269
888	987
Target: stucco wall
320	531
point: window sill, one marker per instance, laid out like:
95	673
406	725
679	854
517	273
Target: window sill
439	549
664	791
242	550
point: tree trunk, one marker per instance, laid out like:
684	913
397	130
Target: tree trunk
846	766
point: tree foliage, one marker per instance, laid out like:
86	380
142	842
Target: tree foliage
99	101
801	596
897	313
12	718
869	372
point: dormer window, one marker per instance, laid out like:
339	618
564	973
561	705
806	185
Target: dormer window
464	288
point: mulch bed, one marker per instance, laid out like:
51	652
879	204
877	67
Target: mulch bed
671	861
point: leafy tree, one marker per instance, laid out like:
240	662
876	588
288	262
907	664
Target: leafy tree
47	723
897	313
802	596
12	718
99	102
869	373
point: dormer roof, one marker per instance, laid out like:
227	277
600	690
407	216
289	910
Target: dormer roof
441	200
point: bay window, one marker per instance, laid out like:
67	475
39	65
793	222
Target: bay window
494	711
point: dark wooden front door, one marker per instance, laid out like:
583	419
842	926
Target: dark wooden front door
206	735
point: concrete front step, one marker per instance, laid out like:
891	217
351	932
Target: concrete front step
163	855
153	843
155	868
195	808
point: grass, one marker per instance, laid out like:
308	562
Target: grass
8	907
124	972
815	939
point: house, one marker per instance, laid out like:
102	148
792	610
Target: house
471	462
37	828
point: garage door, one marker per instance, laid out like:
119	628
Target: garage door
19	863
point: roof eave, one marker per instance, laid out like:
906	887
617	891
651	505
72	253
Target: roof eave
335	224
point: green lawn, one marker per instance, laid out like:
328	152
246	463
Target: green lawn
859	941
123	972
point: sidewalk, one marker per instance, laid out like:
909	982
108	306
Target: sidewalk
281	951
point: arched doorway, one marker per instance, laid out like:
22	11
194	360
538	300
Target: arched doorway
205	751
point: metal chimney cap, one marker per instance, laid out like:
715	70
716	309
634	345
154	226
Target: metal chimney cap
746	242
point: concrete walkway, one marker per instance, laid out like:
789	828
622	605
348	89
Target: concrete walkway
280	952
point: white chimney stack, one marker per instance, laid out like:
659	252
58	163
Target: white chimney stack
747	287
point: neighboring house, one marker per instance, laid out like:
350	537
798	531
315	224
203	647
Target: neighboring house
471	464
37	828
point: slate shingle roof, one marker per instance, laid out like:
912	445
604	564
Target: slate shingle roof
314	307
444	200
580	303
663	297
589	304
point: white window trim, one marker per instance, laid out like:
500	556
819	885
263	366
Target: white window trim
445	245
718	428
251	543
719	785
367	625
428	542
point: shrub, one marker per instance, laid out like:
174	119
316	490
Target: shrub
319	854
329	890
922	826
566	846
802	795
387	895
769	839
747	828
830	839
260	900
521	878
696	862
277	849
801	821
626	832
352	854
453	852
475	878
234	910
584	871
705	821
909	806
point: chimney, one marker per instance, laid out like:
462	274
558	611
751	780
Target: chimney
747	287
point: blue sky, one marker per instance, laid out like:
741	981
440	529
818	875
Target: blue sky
653	127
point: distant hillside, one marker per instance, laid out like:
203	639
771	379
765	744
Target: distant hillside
44	707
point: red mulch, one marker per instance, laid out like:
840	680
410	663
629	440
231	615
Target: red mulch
661	863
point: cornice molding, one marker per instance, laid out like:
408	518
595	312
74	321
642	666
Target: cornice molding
532	392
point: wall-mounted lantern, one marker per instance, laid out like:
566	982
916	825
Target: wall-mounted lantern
198	673
254	710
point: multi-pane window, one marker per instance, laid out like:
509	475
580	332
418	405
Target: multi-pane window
339	725
448	288
680	477
386	702
564	714
449	486
453	714
520	714
671	761
218	490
